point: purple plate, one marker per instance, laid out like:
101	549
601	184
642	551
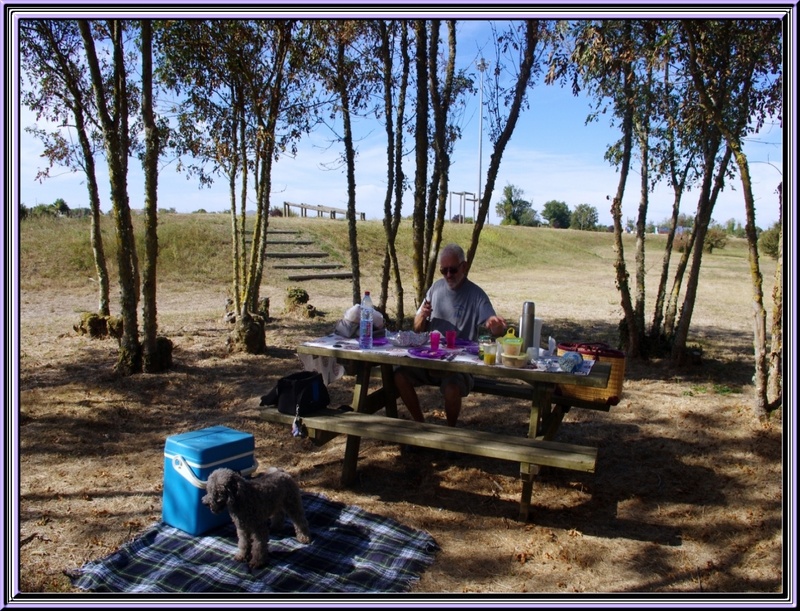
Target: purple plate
473	349
379	341
427	353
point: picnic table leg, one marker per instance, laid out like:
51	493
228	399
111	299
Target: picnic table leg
360	403
527	472
361	389
541	412
541	423
350	459
553	422
390	392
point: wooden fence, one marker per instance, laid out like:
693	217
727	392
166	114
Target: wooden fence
320	210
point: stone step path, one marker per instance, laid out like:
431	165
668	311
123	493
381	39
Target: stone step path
320	276
297	255
307	266
313	268
289	242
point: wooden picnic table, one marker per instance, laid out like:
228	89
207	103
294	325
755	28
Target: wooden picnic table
537	449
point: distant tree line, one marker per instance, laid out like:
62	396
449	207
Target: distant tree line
514	210
59	208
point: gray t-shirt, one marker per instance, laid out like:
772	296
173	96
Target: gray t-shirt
463	309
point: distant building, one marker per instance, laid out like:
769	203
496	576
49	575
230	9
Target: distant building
679	230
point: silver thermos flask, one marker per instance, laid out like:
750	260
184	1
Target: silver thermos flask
526	324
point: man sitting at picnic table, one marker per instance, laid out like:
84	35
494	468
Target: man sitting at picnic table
452	302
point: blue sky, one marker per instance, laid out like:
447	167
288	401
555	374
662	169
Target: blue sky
553	155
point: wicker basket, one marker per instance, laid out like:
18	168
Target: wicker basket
602	353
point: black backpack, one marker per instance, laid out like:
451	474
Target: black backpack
299	394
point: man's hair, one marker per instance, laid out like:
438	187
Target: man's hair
453	249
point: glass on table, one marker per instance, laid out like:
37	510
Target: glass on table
489	352
484	335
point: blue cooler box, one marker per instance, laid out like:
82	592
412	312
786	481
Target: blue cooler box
189	458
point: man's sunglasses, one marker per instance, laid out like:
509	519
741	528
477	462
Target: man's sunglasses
449	271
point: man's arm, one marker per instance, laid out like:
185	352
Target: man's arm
422	317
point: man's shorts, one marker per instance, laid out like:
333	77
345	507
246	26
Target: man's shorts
421	377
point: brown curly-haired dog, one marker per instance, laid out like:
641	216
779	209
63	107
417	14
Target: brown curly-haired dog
256	505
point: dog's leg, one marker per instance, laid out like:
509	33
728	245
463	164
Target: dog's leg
244	552
259	546
301	530
294	509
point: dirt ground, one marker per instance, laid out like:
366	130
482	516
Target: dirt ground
687	498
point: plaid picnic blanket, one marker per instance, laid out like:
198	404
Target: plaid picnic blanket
351	551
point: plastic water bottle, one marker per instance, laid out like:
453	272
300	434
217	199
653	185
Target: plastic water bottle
365	329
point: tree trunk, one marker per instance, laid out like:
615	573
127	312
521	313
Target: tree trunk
258	246
116	146
96	236
760	379
705	206
394	165
153	360
641	271
775	388
679	352
678	182
441	102
249	331
630	337
342	85
656	329
421	172
705	199
238	161
644	149
399	173
385	55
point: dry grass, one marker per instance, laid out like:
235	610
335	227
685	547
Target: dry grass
687	497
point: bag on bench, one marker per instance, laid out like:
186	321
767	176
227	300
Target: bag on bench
299	394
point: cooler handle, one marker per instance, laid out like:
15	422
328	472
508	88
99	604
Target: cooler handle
180	465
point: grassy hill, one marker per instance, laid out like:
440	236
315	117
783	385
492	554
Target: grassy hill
569	274
196	247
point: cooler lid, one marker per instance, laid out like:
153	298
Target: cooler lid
210	445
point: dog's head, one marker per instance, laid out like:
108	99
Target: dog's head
221	486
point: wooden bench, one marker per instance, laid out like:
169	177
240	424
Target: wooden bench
532	454
441	437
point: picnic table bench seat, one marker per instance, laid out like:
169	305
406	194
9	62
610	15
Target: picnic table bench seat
436	436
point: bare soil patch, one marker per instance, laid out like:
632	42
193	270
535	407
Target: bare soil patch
687	497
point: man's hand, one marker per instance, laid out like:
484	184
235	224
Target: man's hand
426	310
422	317
496	324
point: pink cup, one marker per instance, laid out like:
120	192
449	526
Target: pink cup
435	336
450	339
